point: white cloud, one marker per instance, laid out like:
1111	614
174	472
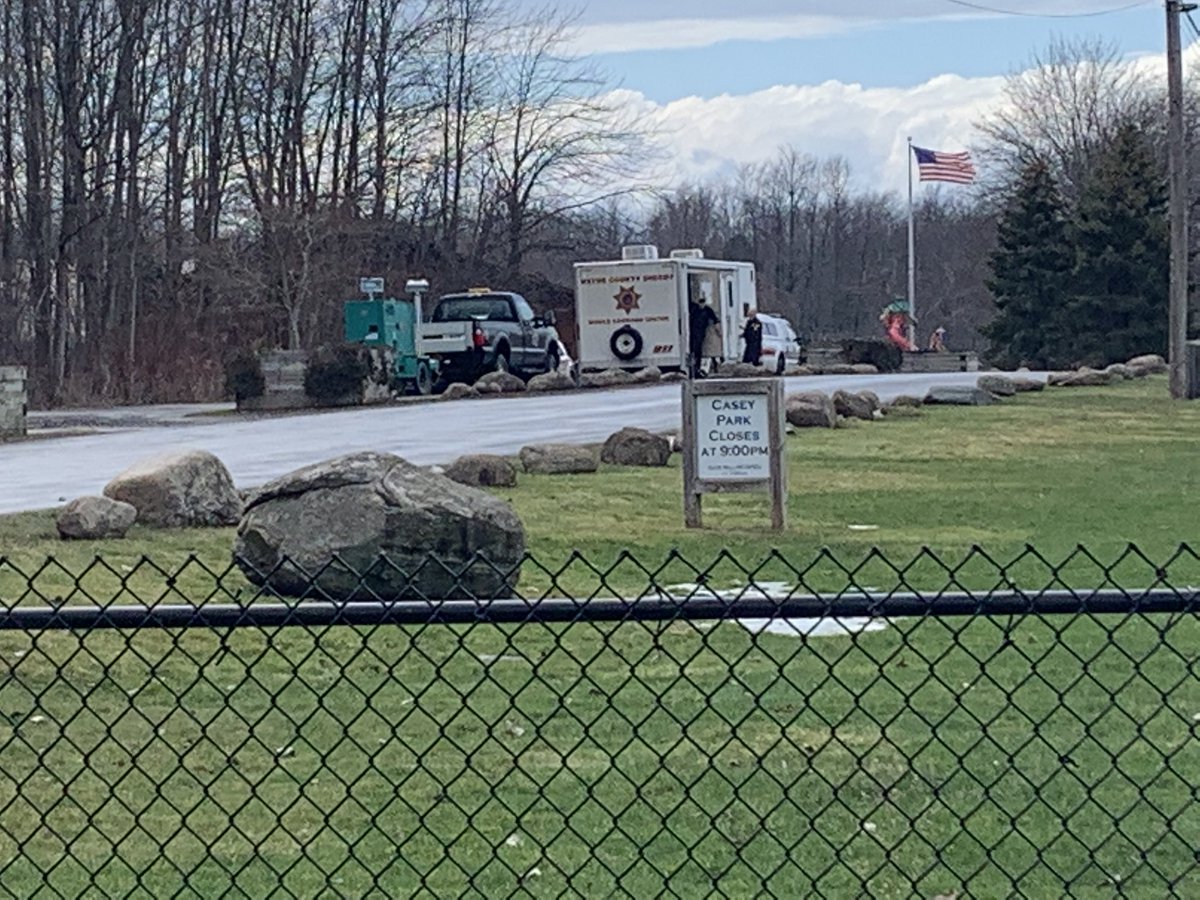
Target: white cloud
704	138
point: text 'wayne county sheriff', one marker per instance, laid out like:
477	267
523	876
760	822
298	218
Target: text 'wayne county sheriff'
628	278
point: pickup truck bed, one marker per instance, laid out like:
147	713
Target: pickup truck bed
484	331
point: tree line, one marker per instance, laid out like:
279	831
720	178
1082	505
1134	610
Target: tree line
183	179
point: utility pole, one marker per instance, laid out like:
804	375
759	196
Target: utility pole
1177	169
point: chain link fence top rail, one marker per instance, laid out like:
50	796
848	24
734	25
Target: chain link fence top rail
889	728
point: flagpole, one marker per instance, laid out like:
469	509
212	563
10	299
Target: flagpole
912	291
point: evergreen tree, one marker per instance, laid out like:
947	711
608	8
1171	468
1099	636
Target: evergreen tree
1031	268
1118	303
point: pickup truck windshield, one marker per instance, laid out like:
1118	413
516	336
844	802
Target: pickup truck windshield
464	309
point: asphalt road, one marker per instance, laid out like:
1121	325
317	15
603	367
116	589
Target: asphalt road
42	473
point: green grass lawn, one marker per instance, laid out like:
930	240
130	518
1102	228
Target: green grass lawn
1049	755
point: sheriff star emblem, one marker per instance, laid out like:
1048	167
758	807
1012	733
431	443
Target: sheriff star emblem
627	299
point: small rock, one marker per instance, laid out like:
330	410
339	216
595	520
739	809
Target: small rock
635	447
901	412
482	470
674	377
794	371
91	518
1121	370
959	395
1026	385
864	369
458	391
904	400
501	383
1152	363
558	459
607	378
551	381
739	370
810	409
997	384
853	406
1084	377
648	375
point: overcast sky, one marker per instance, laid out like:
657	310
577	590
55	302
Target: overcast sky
732	80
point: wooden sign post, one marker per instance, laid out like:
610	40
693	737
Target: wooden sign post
733	433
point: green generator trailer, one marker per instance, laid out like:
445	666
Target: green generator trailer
392	324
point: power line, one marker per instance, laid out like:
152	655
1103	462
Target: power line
1080	15
1192	22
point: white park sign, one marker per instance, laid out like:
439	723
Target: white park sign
733	437
733	432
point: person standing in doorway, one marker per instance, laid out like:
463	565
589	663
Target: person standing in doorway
752	335
700	318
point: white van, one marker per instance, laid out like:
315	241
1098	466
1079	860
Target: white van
781	346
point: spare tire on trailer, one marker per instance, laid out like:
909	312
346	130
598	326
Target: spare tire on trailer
625	343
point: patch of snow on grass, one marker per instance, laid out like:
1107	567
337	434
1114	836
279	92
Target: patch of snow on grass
778	590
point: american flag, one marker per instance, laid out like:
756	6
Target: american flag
936	166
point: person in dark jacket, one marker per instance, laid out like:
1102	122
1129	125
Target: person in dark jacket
700	317
752	335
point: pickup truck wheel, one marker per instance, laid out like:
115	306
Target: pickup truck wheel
501	363
781	365
423	383
552	359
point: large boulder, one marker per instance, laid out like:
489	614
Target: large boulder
798	370
500	383
373	525
1027	385
648	375
960	395
999	385
810	409
853	406
191	488
1149	363
1124	371
91	518
864	369
904	400
558	459
551	381
458	391
635	447
608	378
482	470
673	377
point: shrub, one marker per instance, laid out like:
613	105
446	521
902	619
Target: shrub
244	377
884	355
335	373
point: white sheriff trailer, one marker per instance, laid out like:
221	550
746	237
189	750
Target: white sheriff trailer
633	312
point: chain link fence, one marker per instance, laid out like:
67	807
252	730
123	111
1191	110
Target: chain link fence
885	728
